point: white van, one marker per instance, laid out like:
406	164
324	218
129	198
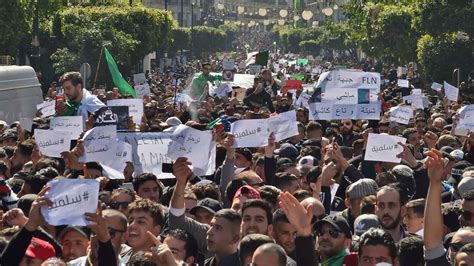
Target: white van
20	92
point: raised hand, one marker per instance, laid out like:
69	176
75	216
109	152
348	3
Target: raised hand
271	146
430	140
435	165
328	173
36	218
407	155
181	170
15	217
98	225
297	215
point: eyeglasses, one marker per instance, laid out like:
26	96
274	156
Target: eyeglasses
113	232
119	205
332	232
455	247
466	215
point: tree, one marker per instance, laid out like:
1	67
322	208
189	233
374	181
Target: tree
207	39
310	47
181	39
440	55
13	27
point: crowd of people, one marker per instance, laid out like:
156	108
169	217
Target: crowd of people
310	199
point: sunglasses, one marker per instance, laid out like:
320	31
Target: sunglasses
455	247
466	215
119	205
332	232
113	232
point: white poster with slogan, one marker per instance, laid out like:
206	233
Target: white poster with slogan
26	123
383	148
403	83
52	143
139	78
346	94
466	118
451	92
70	205
283	125
142	90
99	144
149	151
46	108
250	133
436	86
135	107
72	124
303	100
401	114
193	144
122	155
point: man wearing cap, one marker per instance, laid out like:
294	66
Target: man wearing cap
74	240
333	239
354	194
205	209
243	194
8	138
364	222
37	252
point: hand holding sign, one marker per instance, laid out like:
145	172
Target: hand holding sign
35	218
98	225
383	148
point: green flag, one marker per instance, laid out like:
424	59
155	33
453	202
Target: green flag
262	59
298	76
122	85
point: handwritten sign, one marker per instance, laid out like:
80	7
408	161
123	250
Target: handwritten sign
71	124
403	83
99	144
192	144
383	148
466	118
52	143
303	100
111	173
349	79
122	155
250	133
112	115
283	125
401	114
451	92
149	151
46	108
26	123
142	90
329	111
436	86
69	205
228	64
139	78
135	107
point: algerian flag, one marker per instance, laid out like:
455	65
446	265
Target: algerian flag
122	85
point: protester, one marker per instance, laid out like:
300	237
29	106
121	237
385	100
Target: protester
218	173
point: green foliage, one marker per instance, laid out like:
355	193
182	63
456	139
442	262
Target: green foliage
439	55
310	47
13	27
128	32
207	39
439	16
181	39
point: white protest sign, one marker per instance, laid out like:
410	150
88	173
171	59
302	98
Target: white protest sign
436	86
283	125
135	107
223	89
122	155
228	64
276	67
466	118
71	198
369	111
111	173
250	133
149	151
26	123
46	108
255	69
416	100
303	100
320	111
139	78
192	144
401	71
142	90
451	92
403	83
401	114
52	143
71	124
383	148
349	79
99	144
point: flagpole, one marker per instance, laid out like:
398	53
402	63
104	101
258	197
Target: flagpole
98	65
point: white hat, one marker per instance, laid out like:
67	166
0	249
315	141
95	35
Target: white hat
457	154
173	121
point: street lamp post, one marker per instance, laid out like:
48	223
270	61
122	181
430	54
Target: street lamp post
193	2
182	13
35	55
166	4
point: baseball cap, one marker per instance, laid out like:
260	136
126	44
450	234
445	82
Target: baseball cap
83	230
338	222
25	202
308	160
40	249
287	150
9	134
457	155
245	152
208	204
456	171
466	184
361	188
364	222
248	191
